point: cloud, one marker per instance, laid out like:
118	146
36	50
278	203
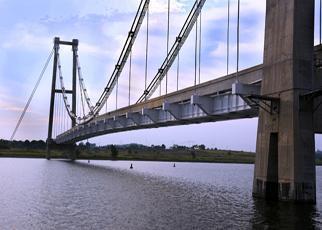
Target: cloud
161	6
110	8
7	102
26	36
96	50
7	106
102	7
246	48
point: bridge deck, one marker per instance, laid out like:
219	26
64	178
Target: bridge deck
206	102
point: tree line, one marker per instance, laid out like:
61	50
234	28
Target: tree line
41	145
34	144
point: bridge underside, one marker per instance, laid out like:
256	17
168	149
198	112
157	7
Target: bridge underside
207	102
199	109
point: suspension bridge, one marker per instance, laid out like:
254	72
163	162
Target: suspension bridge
284	92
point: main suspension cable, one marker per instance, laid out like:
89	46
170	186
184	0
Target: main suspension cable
63	89
181	38
94	110
32	94
83	89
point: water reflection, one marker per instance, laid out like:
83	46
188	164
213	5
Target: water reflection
40	194
283	215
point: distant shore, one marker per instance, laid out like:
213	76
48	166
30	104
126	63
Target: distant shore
168	155
128	152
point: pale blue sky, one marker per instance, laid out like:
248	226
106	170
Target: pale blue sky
27	30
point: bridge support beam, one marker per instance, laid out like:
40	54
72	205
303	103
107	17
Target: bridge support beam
135	117
245	89
203	102
173	109
152	114
285	158
121	120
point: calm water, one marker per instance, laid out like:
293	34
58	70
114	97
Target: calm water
40	194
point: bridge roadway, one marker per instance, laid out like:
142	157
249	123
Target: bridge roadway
207	102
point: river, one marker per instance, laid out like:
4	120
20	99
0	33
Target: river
57	194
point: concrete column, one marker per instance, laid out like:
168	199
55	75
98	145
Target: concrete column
285	163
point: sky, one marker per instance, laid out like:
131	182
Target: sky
27	30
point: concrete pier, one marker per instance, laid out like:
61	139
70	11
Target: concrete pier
285	157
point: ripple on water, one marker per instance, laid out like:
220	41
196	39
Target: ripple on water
107	195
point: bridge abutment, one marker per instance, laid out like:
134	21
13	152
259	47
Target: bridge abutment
285	151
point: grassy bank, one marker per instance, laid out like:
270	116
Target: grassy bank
28	153
142	154
173	155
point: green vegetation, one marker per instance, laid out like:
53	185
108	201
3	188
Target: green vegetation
114	152
176	153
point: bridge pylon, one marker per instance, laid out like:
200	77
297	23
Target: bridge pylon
54	90
285	150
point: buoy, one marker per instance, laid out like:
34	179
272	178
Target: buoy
131	167
174	164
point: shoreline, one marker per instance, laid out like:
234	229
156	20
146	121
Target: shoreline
137	159
127	154
127	159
